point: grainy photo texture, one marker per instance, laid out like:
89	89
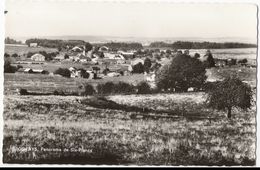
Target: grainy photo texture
129	83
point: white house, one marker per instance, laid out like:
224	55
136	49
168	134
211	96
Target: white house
33	45
38	57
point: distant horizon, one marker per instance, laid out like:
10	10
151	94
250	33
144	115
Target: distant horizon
134	20
101	38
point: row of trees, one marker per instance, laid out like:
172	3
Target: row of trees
123	46
9	40
60	44
200	45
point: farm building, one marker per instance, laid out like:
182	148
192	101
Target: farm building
32	71
220	62
39	71
38	57
24	70
120	61
33	45
127	55
60	57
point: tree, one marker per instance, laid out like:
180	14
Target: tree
147	65
182	73
243	61
229	93
96	69
138	68
88	89
143	88
66	56
63	72
8	68
6	55
14	55
210	62
88	47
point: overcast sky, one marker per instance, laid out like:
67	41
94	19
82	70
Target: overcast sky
57	18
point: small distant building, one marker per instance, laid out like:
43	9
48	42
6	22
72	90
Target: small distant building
25	70
127	55
39	71
220	62
60	57
38	57
33	45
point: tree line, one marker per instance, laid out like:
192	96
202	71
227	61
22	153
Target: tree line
123	46
9	40
58	43
200	45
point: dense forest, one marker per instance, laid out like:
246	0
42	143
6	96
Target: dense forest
9	40
200	45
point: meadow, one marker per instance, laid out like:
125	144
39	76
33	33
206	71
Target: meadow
46	83
177	130
21	50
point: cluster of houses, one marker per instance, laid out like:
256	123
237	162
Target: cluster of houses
114	63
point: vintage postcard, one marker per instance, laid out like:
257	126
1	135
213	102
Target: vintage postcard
129	83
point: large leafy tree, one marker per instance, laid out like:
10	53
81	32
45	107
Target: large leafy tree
147	65
230	93
182	73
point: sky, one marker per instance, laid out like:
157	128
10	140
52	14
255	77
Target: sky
129	19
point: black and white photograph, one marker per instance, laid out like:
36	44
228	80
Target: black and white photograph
129	83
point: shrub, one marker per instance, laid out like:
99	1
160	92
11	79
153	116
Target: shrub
58	92
124	88
106	88
23	92
8	68
63	72
143	88
243	61
88	90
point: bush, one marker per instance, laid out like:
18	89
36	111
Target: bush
143	88
58	92
106	88
23	92
88	90
124	88
138	68
243	61
63	72
8	68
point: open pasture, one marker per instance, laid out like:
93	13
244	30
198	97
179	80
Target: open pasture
72	130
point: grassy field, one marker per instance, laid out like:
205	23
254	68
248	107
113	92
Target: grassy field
177	130
20	50
47	83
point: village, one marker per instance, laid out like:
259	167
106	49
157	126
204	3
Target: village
103	62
